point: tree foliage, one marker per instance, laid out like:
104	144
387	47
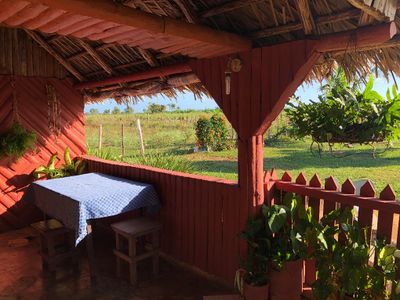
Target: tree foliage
156	108
212	133
346	113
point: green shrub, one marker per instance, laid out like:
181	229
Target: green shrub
212	133
203	133
16	141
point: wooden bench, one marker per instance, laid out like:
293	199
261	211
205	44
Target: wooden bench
57	245
132	231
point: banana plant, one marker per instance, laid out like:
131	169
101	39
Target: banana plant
69	168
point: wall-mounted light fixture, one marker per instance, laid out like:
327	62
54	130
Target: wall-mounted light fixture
234	65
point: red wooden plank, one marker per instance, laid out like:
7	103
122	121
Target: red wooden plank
185	219
220	258
365	214
211	229
385	218
329	204
179	218
205	216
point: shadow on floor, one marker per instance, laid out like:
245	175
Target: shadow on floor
21	276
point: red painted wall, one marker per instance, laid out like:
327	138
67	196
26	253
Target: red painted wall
200	215
33	108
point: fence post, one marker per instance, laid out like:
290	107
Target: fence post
140	134
100	136
122	140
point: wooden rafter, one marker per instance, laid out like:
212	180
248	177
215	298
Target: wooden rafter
186	11
148	57
37	38
95	55
144	75
306	17
146	54
321	20
110	11
380	10
227	7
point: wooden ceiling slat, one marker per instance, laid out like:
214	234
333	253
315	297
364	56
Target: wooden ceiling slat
64	21
57	56
9	9
28	13
44	18
93	53
79	26
94	29
227	7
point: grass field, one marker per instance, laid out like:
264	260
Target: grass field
174	133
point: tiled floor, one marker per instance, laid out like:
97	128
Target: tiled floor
21	276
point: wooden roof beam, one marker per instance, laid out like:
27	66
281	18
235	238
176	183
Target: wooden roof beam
380	10
109	11
227	7
144	75
37	38
95	55
306	17
357	39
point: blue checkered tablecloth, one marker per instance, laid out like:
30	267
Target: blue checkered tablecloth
76	199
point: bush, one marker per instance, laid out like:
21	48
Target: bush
212	133
203	133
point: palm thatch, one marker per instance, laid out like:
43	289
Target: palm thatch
265	22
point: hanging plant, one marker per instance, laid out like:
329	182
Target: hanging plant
16	141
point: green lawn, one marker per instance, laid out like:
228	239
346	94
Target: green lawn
174	132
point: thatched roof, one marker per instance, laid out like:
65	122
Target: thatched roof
95	49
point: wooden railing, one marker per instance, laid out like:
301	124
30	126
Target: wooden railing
201	216
379	213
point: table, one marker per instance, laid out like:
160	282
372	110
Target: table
77	200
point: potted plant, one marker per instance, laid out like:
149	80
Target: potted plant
343	264
69	168
288	224
252	279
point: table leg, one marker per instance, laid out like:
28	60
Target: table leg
91	255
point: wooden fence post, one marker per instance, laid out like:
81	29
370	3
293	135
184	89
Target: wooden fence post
100	136
122	140
140	134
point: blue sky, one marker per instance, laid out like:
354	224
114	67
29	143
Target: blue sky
187	101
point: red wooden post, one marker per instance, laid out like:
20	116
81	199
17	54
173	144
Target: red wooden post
385	218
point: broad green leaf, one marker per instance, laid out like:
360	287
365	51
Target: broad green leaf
277	219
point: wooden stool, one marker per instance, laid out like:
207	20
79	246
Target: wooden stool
57	244
132	230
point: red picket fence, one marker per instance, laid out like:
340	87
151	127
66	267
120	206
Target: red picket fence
379	213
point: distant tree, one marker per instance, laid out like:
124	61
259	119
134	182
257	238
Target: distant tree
156	108
171	106
116	110
128	110
106	112
94	111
